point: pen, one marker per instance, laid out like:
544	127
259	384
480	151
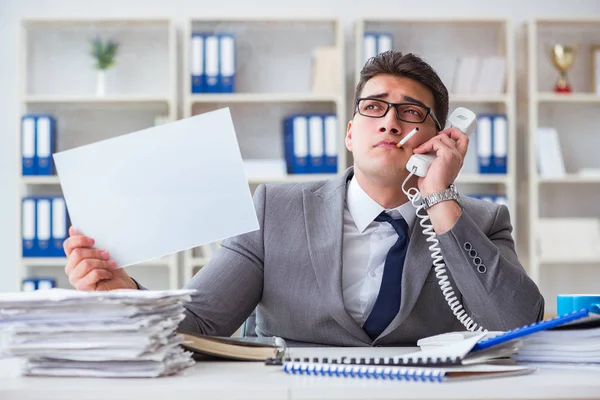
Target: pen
407	137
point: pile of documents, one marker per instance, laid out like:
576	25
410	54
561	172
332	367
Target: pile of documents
579	347
575	344
122	333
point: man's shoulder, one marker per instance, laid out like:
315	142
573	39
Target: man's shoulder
319	187
483	209
288	190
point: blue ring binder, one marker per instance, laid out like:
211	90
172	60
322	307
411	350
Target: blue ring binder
532	328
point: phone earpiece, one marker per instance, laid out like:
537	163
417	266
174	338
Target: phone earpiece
462	119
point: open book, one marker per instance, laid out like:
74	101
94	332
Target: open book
235	348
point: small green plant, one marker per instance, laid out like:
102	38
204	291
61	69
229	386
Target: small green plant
104	53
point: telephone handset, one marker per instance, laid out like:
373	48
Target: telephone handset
464	120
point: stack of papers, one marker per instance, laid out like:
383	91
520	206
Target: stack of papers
121	333
578	346
574	345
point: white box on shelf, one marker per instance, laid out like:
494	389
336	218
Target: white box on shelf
492	75
326	70
550	158
466	74
569	239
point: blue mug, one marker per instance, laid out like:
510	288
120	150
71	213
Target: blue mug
568	303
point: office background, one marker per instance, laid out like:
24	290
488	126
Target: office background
584	130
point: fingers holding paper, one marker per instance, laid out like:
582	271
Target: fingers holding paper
76	240
92	269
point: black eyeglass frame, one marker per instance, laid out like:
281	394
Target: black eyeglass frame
395	105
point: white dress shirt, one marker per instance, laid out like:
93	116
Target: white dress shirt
366	243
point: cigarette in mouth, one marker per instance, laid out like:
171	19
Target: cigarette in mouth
407	137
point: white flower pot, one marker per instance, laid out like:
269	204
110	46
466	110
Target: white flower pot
100	83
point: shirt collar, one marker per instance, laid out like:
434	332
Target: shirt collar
364	209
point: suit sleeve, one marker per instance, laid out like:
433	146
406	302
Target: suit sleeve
230	286
496	290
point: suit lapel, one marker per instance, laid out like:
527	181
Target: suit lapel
417	266
323	217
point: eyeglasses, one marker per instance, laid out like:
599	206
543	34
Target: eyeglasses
407	112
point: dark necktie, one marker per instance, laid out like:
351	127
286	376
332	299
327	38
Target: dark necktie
388	300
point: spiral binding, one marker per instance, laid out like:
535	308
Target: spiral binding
366	371
366	361
440	267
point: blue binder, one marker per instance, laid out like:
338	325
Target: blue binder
483	140
561	320
500	143
29	227
384	42
29	285
316	143
211	59
43	226
197	63
369	45
330	129
296	148
59	227
227	63
45	283
45	144
28	142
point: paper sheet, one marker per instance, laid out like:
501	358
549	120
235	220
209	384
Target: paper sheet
160	190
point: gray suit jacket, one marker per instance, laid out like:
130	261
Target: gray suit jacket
291	272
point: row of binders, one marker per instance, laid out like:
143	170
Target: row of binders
45	222
492	143
33	284
375	44
311	143
38	142
212	59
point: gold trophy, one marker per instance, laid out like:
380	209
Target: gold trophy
562	58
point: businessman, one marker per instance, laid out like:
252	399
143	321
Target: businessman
344	262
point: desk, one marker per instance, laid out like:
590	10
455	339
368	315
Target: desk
252	380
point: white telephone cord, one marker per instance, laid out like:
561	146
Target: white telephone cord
415	198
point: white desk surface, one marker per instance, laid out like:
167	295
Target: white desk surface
254	380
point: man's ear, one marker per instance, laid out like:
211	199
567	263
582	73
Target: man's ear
348	139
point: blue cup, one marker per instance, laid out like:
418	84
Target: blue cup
568	303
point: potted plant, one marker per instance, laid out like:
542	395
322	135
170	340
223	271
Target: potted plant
104	54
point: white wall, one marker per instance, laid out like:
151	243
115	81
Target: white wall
12	10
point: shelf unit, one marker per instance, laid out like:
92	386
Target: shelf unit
58	78
439	41
272	81
575	117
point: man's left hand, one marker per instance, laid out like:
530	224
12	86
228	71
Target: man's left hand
450	146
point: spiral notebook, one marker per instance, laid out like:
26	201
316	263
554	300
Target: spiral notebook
454	354
423	374
458	348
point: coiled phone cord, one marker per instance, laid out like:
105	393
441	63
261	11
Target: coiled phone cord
457	308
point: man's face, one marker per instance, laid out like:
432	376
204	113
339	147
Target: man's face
373	140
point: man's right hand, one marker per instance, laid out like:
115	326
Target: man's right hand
92	269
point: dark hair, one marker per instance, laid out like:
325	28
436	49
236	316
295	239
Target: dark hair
410	66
